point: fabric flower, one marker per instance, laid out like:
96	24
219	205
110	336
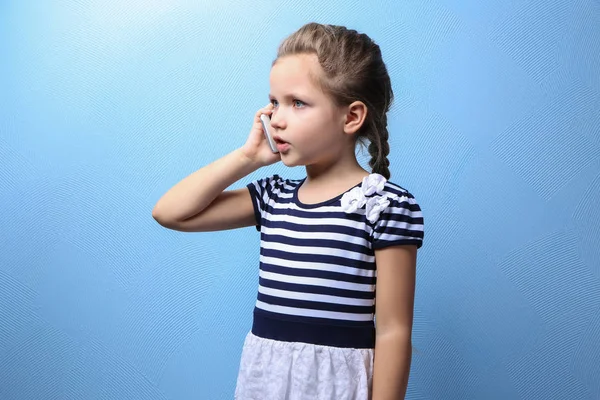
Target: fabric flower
375	205
353	200
373	183
358	197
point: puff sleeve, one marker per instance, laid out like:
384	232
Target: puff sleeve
400	223
261	191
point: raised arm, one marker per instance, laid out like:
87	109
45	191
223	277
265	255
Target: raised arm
200	203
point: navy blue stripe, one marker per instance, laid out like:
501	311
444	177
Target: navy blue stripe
330	243
400	192
255	205
401	232
405	205
315	320
311	273
268	191
323	228
388	216
301	213
379	244
315	305
285	328
320	258
296	287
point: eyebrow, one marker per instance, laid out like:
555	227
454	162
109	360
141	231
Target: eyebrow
289	96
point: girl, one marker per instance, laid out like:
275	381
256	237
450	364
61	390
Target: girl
333	244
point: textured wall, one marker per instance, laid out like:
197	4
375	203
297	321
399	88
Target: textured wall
106	104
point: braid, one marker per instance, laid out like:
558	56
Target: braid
379	147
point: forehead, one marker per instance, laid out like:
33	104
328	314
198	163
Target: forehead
295	74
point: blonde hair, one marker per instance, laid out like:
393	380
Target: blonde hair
353	71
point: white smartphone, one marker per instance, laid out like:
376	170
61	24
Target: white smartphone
266	123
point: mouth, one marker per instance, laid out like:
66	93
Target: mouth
279	140
282	145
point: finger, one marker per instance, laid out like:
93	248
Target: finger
263	111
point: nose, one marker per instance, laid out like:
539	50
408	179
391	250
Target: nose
278	120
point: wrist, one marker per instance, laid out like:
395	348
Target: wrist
247	160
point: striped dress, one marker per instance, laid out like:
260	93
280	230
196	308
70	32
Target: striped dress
313	331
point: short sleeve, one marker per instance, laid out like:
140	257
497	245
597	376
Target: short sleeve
261	191
401	222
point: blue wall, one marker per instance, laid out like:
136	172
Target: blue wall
106	104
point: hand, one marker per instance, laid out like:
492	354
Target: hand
257	147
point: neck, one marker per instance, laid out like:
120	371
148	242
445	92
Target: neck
335	170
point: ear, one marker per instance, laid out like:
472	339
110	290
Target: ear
356	113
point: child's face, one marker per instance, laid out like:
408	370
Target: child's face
303	115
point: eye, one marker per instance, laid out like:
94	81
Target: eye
274	102
299	103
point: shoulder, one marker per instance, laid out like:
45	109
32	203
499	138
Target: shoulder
273	185
396	215
277	179
401	201
394	191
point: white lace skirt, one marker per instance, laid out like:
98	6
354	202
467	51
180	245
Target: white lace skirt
274	370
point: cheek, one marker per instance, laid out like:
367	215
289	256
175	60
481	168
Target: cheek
311	131
313	121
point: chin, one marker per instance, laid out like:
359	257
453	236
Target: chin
290	161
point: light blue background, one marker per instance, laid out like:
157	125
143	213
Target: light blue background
106	104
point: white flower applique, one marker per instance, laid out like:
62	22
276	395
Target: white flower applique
358	197
353	200
375	205
373	183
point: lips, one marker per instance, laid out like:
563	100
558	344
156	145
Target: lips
279	140
282	145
